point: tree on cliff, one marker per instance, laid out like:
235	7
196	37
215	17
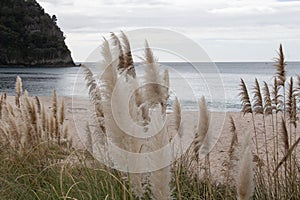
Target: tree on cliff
29	36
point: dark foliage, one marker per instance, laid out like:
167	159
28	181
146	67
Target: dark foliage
29	36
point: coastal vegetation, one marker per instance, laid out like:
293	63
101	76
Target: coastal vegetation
40	161
31	37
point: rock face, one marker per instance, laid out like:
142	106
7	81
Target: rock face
30	37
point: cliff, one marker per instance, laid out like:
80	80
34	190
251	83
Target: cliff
30	37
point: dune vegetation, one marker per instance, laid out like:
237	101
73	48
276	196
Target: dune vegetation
40	161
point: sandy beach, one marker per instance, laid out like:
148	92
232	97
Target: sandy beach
80	111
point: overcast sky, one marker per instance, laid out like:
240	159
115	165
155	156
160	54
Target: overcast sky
228	30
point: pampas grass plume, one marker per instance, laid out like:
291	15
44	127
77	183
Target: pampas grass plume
166	78
38	104
280	67
62	112
267	100
19	86
177	116
18	90
257	99
109	76
202	128
26	94
44	119
245	183
245	99
54	104
154	90
119	49
128	56
149	58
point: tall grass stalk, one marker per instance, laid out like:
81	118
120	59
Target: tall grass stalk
284	104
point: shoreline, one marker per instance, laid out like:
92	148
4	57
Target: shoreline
40	66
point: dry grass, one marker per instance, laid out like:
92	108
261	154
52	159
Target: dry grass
28	123
277	178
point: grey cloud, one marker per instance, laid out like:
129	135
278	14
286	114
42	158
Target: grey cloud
169	18
287	0
112	17
282	24
135	2
58	2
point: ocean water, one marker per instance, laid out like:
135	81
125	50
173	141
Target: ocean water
218	82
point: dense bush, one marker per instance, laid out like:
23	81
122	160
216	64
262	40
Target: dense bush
29	36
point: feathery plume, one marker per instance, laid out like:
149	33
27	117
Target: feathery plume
202	128
13	128
106	52
276	96
245	99
44	119
26	94
18	91
177	116
91	84
257	99
54	104
28	115
117	44
149	58
34	119
62	112
166	78
268	108
155	92
298	84
128	55
38	104
95	92
280	67
57	131
129	66
290	103
55	117
30	112
51	127
109	76
166	81
245	183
